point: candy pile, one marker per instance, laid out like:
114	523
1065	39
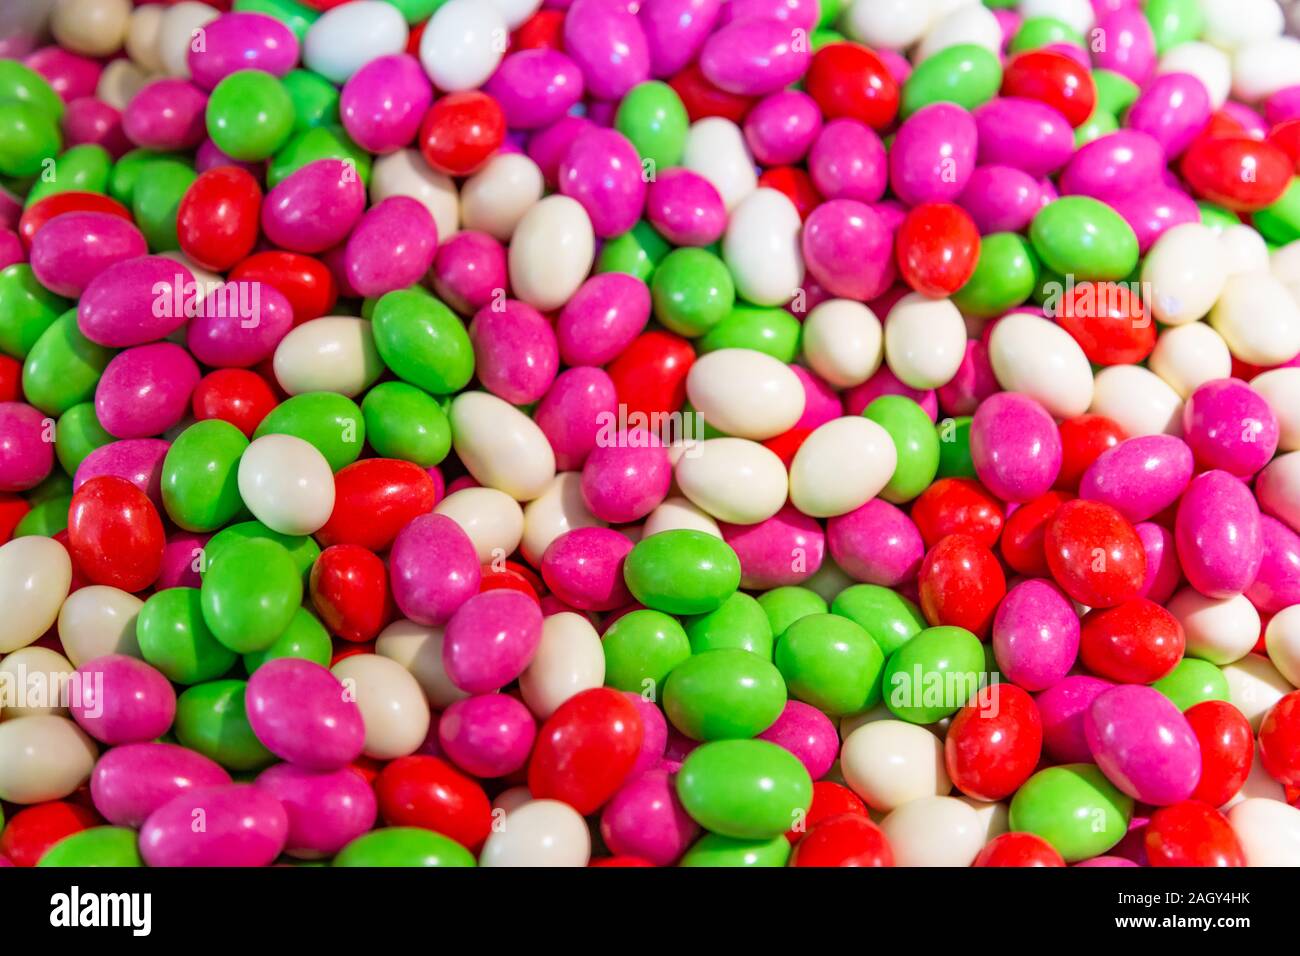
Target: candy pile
764	432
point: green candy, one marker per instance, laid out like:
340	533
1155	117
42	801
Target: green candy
329	141
77	434
641	649
416	10
1099	124
714	850
744	789
250	594
654	120
682	572
27	309
1038	32
404	846
157	197
829	13
1006	274
1280	222
97	846
954	448
1074	808
1216	217
1115	92
298	17
1192	682
331	423
46	518
740	623
917	442
405	422
966	74
934	674
29	139
56	484
1083	237
23	84
423	341
128	170
211	718
773	331
1174	22
315	99
83	168
305	638
63	367
250	115
174	638
891	619
637	252
724	694
830	662
200	477
692	291
785	605
302	548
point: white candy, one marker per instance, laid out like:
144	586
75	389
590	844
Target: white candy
733	479
551	252
177	33
1254	686
559	508
1280	388
98	620
1040	359
35	574
841	466
568	660
1185	273
121	80
1076	14
889	763
1269	832
1242	249
972	24
1188	356
347	37
1284	263
888	24
492	519
745	393
1232	24
829	581
995	818
143	33
539	833
761	248
679	513
925	341
1262	68
1278	489
335	353
287	484
419	650
934	831
34	681
463	43
843	342
405	173
1137	400
495	198
393	706
1218	631
1282	639
515	12
1208	64
43	758
501	446
1258	318
715	148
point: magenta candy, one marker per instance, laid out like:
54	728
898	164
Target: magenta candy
675	30
315	207
685	208
625	479
303	714
1130	47
1113	164
26	446
515	352
433	568
239	325
1283	105
1251	121
1163	573
489	735
754	57
606	313
383	103
933	154
885	382
70	250
654	741
572	414
534	88
490	640
785	549
1063	707
848	161
607	43
89	120
781	127
808	734
11	249
243	826
973	383
182	558
69	74
166	114
122	700
848	249
1023	133
1015	446
145	390
877	543
821	402
602	171
646	819
242	41
1001	199
1217	531
121	305
138	460
132	781
1153	212
326	810
1143	744
1035	635
210	156
1229	426
392	247
548	147
1140	477
11	209
1106	861
794	14
584	568
1277	584
468	269
1173	109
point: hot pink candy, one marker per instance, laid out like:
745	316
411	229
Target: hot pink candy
624	480
433	569
26	451
785	549
130	782
145	390
303	714
490	735
1143	744
646	819
573	411
70	250
326	810
584	568
1140	477
122	700
131	302
516	355
1035	635
244	826
490	640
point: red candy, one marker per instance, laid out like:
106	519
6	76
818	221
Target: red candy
1136	642
1018	849
1022	536
1227	750
1109	323
829	800
1191	833
961	583
349	589
1279	740
115	534
234	395
1083	439
957	506
994	742
848	80
374	499
937	247
847	840
217	221
1094	554
586	749
306	282
39	213
461	132
1241	173
795	184
427	792
702	99
1054	79
33	830
650	375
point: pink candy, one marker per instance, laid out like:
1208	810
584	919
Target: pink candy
1035	635
129	303
490	640
122	700
303	714
26	453
1143	744
433	569
132	781
243	826
515	353
490	735
1015	446
145	390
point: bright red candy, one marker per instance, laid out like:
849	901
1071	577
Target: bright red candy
1238	172
1227	750
217	220
787	444
1018	849
234	395
461	131
1109	322
544	30
620	861
848	80
961	583
937	247
850	839
1286	137
11	374
495	579
650	374
994	742
795	184
1191	833
1279	740
702	99
33	830
830	799
1094	554
421	791
1022	536
586	749
957	506
307	283
1083	439
115	535
12	509
349	589
42	211
1052	78
374	499
1136	642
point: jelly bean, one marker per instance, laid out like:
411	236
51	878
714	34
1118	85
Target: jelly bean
1139	477
818	490
97	846
934	831
1018	849
423	791
957	506
98	620
1015	447
1137	641
174	638
1228	426
961	583
199	480
994	742
423	592
329	422
167	839
830	662
966	74
315	207
1218	534
1006	272
1094	553
299	712
543	832
122	700
211	720
1191	682
1055	803
515	351
251	595
403	846
393	707
115	534
1081	236
933	674
1144	745
1035	635
722	694
744	789
586	749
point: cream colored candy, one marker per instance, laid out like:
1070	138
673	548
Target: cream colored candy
347	37
745	393
761	248
538	833
501	446
1040	359
925	341
98	620
405	173
1284	263
178	32
843	342
515	12
1233	24
419	649
994	818
1138	400
392	703
934	831
715	148
1269	832
888	24
35	574
559	508
676	513
972	24
1258	318
1278	489
1218	631
508	801
90	27
1280	388
841	466
551	252
1188	356
1282	639
1185	273
121	80
1254	686
34	681
1077	14
1265	67
889	763
287	484
1208	64
335	353
569	660
492	519
462	44
1242	250
733	479
142	37
43	758
494	199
